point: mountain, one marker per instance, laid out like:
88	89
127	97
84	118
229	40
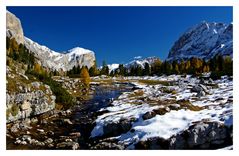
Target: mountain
61	60
14	28
48	58
138	61
113	66
204	41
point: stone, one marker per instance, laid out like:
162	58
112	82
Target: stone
68	112
26	138
67	145
201	94
117	128
148	115
152	143
41	131
174	106
50	133
36	85
161	111
201	135
75	134
204	88
26	106
34	120
108	145
15	128
48	141
53	97
67	121
196	89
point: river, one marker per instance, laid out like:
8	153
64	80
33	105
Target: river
82	119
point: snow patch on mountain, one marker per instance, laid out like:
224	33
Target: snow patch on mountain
204	41
141	62
61	60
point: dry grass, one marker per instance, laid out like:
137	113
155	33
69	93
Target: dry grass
187	104
155	82
136	93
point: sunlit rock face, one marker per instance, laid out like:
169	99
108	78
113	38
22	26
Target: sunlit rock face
204	41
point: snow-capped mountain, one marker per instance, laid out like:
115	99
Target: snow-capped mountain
61	60
205	41
47	57
141	62
137	61
113	66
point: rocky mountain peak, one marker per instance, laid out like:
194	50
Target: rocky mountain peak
60	61
14	27
204	40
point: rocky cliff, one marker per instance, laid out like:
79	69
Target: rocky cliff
26	97
60	61
14	28
205	41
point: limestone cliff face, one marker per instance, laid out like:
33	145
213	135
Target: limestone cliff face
60	61
14	27
24	97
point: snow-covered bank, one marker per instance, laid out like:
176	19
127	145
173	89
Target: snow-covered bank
166	110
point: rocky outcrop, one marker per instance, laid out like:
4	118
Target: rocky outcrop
30	102
201	135
14	28
117	128
205	41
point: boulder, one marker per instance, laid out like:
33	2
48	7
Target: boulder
26	106
148	115
36	85
117	128
201	94
196	89
161	111
153	143
202	135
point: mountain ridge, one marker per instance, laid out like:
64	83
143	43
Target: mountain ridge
204	40
59	61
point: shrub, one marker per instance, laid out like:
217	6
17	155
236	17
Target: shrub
14	110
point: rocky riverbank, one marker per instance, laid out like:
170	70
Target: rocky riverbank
68	129
168	112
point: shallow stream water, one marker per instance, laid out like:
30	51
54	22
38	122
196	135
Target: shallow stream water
82	117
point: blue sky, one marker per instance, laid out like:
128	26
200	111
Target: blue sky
115	34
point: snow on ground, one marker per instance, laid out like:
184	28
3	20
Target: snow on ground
216	106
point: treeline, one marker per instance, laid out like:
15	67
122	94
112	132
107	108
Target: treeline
218	66
19	53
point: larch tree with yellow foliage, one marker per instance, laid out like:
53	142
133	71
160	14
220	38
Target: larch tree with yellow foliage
85	77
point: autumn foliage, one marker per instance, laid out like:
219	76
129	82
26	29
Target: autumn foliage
85	77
